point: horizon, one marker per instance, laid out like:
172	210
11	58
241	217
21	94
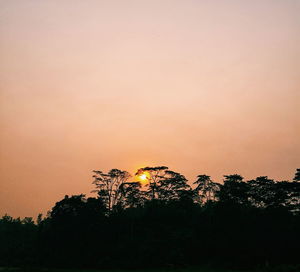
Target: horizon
201	87
132	178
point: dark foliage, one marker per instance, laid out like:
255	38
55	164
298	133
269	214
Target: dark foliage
234	224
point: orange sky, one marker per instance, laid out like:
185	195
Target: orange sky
204	87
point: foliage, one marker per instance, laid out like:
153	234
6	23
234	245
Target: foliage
236	224
108	186
206	189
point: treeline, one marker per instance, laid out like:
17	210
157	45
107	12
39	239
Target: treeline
161	220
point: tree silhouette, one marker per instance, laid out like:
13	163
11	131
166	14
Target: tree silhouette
156	174
262	192
238	224
206	189
109	186
171	186
297	175
164	184
234	190
133	196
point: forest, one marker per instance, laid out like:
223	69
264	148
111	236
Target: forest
162	220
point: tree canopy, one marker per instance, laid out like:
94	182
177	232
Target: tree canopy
164	221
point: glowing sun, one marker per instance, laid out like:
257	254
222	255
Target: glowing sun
143	177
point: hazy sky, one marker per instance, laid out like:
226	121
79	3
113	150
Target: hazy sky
204	87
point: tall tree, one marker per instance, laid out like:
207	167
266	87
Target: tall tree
172	186
154	176
234	190
262	192
108	186
133	196
206	189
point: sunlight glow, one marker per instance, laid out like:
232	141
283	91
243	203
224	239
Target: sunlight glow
143	177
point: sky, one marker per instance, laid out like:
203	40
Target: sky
201	86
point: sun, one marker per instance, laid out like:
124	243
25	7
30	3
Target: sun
143	177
